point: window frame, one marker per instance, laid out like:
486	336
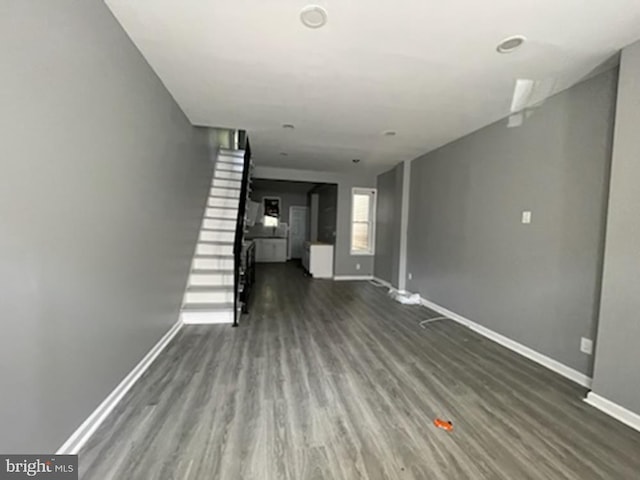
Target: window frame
373	199
264	216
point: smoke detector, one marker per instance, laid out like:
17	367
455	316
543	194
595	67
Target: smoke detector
510	44
313	16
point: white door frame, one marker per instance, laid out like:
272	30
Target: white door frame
290	243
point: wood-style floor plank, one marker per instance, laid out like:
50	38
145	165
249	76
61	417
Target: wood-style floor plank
335	380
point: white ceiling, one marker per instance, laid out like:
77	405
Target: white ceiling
426	68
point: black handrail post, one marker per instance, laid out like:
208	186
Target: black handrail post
238	241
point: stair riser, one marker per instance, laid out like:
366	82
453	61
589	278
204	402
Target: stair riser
221	212
205	318
207	249
237	160
218	224
229	167
213	263
217	182
213	236
208	297
228	175
223	202
210	280
224	192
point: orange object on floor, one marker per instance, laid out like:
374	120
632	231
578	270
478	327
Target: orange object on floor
443	424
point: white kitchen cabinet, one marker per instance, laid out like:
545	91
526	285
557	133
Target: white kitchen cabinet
271	250
317	259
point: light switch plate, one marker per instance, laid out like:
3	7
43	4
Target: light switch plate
410	276
526	217
586	345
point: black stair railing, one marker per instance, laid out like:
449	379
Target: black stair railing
239	236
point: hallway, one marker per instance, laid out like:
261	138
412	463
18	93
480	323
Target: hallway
334	380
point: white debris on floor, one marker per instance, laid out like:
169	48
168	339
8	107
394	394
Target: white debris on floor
405	298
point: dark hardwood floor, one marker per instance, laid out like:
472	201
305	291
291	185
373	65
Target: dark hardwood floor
334	380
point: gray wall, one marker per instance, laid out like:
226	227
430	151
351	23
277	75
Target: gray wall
617	368
327	213
388	219
345	264
314	202
102	190
468	251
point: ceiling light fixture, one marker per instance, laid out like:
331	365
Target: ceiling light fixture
389	133
356	160
510	44
313	16
288	126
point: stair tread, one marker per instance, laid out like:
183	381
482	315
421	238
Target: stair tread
210	271
213	255
226	160
227	187
228	219
205	307
226	172
218	230
216	242
231	151
209	288
220	218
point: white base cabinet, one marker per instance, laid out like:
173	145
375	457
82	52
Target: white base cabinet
317	259
269	250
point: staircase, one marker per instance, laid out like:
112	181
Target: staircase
212	290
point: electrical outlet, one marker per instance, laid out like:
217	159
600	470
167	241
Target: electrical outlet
357	266
526	217
410	276
586	345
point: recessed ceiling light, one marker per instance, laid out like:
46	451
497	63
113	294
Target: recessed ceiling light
510	44
288	126
356	160
313	16
389	133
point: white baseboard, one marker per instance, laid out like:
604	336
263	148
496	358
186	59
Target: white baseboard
388	285
352	277
550	363
618	412
383	282
77	440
